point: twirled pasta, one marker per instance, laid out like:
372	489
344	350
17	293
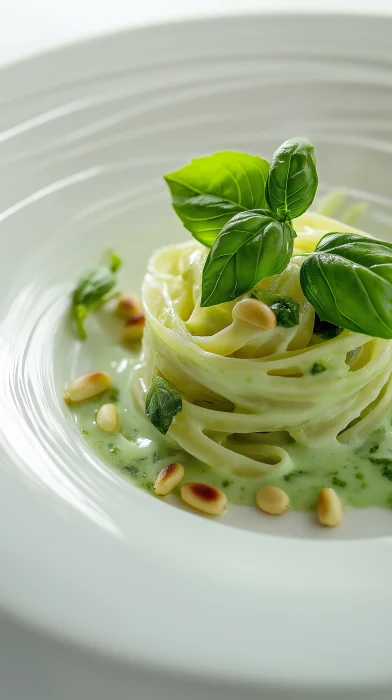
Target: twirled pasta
248	394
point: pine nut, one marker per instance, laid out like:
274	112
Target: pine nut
128	307
107	417
329	508
87	386
168	479
256	313
134	328
272	500
206	498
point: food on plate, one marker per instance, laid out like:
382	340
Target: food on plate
267	339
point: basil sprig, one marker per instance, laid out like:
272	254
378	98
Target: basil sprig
251	246
223	200
210	190
242	208
348	280
163	403
92	291
292	179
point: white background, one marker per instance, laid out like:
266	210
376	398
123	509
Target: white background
28	26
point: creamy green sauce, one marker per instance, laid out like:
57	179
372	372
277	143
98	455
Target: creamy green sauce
361	475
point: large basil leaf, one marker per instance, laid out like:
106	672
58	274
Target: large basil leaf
292	180
210	190
348	280
162	404
252	246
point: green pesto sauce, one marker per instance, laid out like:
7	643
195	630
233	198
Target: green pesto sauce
362	476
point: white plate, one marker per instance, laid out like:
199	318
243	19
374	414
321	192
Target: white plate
261	604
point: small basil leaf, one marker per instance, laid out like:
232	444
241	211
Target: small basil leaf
348	280
292	180
162	404
94	286
326	330
285	309
210	190
92	290
251	246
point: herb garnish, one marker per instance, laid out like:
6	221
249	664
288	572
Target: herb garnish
318	367
292	179
92	291
251	246
339	482
114	394
162	404
293	474
243	208
285	309
380	460
386	462
113	449
348	280
326	330
210	190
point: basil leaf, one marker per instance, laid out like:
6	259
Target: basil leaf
92	290
326	330
162	404
285	309
251	246
292	179
348	280
210	190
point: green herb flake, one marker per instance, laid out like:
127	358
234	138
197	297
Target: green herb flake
386	463
114	394
113	449
387	472
132	470
163	403
84	431
292	475
359	476
339	482
226	483
374	448
285	308
318	367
